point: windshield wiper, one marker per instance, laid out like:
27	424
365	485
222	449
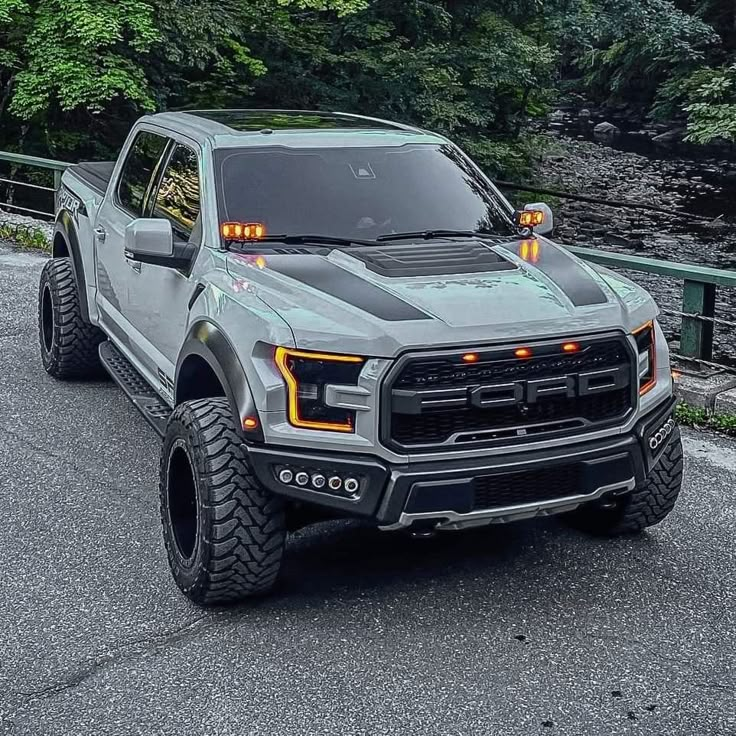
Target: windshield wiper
430	234
306	240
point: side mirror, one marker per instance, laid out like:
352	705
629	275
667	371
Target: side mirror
548	223
151	240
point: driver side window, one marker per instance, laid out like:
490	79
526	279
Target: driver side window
178	194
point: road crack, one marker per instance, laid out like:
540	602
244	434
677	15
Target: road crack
125	652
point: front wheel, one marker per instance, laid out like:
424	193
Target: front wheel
647	505
224	533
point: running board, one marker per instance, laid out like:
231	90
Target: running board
155	410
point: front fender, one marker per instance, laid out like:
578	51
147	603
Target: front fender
207	341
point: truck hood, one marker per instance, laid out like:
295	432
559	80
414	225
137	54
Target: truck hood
383	299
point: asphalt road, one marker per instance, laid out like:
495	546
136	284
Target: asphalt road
527	629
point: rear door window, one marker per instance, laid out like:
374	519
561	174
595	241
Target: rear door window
178	194
139	170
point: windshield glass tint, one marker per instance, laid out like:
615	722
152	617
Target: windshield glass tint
356	192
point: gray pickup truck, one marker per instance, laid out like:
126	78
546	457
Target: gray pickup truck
326	315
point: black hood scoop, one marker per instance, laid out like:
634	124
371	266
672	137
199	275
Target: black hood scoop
444	258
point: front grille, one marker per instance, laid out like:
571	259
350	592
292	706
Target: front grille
529	486
445	373
436	401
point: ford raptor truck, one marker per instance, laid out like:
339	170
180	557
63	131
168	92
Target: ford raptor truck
326	315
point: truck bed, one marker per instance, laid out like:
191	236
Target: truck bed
95	174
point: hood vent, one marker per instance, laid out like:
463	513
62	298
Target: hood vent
431	259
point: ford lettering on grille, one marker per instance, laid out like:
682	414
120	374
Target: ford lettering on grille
436	401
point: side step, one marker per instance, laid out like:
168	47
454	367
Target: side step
136	388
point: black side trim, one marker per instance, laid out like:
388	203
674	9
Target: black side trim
321	274
209	343
579	286
66	228
198	289
154	409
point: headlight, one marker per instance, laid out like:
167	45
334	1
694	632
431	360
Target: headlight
306	375
645	346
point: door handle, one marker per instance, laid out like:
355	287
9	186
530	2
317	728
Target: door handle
100	233
135	265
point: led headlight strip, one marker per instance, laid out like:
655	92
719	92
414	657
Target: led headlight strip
644	337
306	374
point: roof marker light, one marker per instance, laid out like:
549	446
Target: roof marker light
471	358
523	353
242	230
571	347
529	218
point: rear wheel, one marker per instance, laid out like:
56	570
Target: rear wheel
647	505
69	344
224	534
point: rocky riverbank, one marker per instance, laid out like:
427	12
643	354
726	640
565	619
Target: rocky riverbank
705	188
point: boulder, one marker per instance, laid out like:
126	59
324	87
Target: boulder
606	133
669	138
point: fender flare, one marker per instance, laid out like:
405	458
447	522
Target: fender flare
65	227
207	341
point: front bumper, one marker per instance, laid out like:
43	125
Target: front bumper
446	493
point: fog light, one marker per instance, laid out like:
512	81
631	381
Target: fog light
318	480
301	478
286	476
351	485
335	483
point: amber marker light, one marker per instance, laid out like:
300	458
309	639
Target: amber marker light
281	358
471	358
529	218
250	423
523	353
571	347
242	230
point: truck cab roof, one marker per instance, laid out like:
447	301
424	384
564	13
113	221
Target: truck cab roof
290	128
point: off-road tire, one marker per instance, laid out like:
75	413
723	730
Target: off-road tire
69	344
647	505
224	533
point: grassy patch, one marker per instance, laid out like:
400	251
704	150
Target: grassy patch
25	235
693	416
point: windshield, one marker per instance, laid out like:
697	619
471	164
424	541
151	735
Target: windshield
356	192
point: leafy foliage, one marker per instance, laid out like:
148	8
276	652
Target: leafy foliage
74	74
82	70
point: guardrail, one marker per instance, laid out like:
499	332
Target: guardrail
698	296
21	160
697	316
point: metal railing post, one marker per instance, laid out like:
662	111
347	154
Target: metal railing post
57	186
696	336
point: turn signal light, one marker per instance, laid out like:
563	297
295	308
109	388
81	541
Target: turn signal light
242	230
